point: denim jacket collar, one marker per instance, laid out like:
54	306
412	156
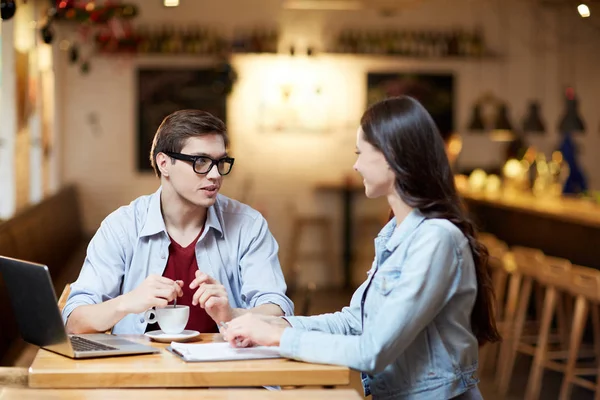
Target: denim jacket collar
394	235
155	223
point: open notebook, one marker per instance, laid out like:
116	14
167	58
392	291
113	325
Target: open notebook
221	352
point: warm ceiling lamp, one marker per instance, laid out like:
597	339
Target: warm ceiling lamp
171	3
533	120
571	121
583	10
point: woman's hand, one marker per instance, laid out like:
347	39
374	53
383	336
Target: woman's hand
252	329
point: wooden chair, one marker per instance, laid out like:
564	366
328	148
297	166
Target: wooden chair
14	377
555	276
585	285
301	226
497	252
524	263
62	300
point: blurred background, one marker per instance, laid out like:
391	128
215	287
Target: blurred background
512	85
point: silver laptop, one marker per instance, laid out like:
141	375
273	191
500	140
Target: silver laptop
35	307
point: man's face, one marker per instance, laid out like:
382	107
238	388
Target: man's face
198	189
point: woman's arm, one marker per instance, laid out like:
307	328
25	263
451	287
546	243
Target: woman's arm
414	290
344	322
414	293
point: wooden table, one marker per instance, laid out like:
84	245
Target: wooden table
175	394
50	370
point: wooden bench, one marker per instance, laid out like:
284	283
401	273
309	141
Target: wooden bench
49	233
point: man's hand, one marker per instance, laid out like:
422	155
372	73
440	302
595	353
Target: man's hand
155	291
212	296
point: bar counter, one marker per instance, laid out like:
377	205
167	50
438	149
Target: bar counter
563	227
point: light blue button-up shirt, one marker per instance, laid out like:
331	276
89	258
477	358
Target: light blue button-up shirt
236	248
408	326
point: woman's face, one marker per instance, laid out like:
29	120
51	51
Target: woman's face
378	177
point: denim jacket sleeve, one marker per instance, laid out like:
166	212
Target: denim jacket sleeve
261	275
345	322
103	269
424	281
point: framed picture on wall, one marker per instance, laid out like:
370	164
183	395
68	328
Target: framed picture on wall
162	91
435	91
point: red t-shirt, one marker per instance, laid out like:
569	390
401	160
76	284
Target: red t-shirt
182	265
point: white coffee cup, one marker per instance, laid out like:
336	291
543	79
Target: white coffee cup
170	319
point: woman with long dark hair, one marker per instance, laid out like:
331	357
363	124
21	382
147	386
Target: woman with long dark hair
414	326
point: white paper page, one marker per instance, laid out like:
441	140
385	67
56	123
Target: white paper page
223	352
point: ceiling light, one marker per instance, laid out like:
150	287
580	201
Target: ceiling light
583	10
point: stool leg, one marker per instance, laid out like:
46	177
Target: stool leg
483	355
506	373
537	369
539	300
578	326
510	310
562	321
500	290
293	255
596	326
596	330
327	242
491	350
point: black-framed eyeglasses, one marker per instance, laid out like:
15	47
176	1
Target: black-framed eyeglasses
203	164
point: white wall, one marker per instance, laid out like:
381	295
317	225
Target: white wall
26	101
8	118
286	168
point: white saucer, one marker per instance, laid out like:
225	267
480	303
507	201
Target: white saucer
160	336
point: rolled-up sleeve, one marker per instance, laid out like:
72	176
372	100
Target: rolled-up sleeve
103	269
262	278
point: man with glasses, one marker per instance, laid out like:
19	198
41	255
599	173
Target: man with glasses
186	243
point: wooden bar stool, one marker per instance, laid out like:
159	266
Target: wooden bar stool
62	300
525	263
585	285
497	252
302	225
506	324
555	277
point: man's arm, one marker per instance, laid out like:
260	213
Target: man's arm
155	291
95	318
213	297
95	303
92	303
263	283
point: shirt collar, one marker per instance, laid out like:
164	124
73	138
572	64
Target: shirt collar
394	234
155	223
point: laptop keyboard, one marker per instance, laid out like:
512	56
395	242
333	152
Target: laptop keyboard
81	344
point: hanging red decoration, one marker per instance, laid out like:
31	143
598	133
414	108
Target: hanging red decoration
69	10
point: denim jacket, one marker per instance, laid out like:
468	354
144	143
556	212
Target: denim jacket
407	327
236	248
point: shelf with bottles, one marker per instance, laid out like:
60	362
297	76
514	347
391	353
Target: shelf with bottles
455	44
194	40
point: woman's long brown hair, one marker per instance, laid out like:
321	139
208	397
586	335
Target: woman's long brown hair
408	137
